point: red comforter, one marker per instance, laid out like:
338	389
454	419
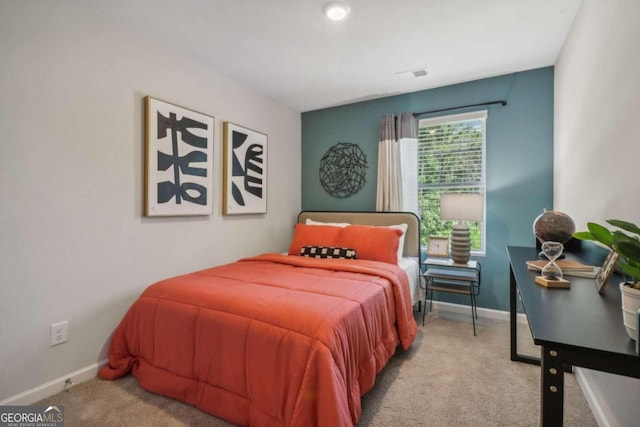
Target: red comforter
268	341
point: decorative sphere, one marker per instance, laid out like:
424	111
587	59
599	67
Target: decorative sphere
553	225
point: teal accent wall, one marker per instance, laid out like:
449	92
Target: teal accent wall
519	160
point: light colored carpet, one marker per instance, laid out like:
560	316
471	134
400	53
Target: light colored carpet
447	378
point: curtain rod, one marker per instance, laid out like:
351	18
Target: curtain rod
458	108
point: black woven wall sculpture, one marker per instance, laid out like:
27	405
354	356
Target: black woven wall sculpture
343	169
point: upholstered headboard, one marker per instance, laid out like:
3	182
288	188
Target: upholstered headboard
412	237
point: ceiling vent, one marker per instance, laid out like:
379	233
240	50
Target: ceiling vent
413	74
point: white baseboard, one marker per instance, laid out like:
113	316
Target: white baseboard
486	313
613	398
591	398
55	386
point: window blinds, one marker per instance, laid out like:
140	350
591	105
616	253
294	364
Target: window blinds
451	152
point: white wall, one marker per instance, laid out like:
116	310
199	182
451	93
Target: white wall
597	107
597	147
73	242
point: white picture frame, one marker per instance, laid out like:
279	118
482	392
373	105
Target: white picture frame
606	271
438	247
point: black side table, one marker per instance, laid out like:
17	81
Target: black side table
443	275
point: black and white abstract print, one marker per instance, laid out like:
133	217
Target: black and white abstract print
179	151
245	170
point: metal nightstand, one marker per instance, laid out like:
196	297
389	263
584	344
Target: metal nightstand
446	276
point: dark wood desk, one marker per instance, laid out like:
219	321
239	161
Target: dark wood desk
574	327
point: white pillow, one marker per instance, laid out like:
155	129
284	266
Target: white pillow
334	224
404	228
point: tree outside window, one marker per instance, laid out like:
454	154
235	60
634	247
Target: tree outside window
451	159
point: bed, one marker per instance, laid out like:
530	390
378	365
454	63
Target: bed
410	260
279	339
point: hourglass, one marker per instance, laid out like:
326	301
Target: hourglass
551	275
552	250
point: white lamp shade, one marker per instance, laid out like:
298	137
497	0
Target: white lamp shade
462	207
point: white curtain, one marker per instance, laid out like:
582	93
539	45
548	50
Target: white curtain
398	164
389	195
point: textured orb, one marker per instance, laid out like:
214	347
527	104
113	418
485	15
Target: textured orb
343	169
553	226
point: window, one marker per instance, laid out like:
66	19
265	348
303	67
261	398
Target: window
451	159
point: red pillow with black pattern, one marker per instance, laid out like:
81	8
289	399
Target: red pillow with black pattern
313	235
371	242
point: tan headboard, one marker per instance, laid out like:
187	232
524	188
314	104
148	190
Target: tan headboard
411	240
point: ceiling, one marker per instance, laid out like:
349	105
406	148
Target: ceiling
289	51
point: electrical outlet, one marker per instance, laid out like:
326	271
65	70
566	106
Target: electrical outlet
59	332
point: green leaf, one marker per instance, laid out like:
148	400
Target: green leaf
624	225
600	233
618	236
583	235
628	248
634	272
633	263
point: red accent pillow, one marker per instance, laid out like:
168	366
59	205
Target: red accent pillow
372	243
313	235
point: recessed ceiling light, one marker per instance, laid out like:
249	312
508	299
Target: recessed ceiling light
336	11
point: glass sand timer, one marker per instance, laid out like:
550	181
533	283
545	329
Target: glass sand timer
552	250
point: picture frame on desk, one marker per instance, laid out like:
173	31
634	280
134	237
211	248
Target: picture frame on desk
606	271
438	247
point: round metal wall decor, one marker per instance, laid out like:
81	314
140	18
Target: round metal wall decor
342	170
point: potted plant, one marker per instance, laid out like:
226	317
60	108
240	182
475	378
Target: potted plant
628	249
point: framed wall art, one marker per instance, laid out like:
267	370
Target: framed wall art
178	160
245	170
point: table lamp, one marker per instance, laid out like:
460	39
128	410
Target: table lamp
461	207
